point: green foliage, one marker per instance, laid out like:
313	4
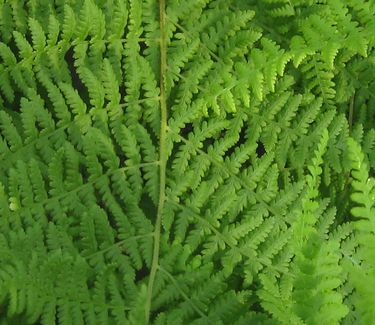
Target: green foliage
362	270
187	162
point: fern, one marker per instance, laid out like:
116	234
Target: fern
186	162
362	270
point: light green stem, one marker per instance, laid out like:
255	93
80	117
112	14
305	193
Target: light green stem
162	160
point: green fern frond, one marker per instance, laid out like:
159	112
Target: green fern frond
186	162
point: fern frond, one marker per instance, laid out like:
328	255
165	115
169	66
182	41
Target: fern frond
186	162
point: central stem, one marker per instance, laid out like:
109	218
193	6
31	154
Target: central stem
162	160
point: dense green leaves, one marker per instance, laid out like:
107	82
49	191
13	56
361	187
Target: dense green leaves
187	162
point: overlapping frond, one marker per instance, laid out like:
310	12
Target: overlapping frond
186	162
